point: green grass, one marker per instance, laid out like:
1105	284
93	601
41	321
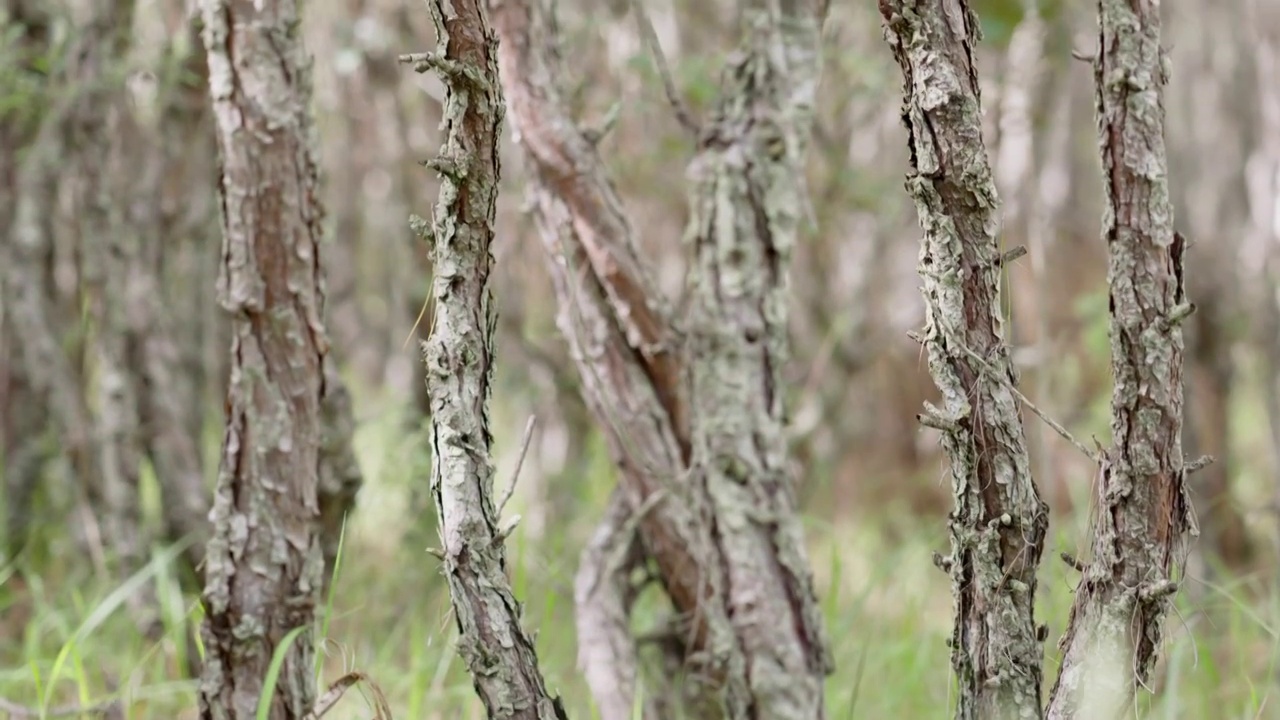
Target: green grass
887	610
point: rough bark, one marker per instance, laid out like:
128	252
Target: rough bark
998	523
1141	512
747	200
459	358
263	563
617	327
714	511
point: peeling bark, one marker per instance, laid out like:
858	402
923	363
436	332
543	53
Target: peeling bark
1141	513
459	358
707	486
264	563
998	523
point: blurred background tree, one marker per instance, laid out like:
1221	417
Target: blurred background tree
872	482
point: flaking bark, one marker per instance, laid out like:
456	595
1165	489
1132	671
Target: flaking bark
998	523
458	354
1141	511
264	564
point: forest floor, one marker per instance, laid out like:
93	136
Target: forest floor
66	639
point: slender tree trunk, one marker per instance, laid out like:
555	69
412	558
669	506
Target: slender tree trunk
170	410
999	522
264	563
703	467
459	359
108	246
1141	512
24	437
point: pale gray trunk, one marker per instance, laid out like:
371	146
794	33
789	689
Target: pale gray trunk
748	201
1141	510
998	523
264	563
458	355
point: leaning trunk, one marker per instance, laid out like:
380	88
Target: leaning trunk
1141	510
748	202
705	488
459	360
999	522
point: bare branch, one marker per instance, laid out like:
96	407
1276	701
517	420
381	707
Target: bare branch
664	72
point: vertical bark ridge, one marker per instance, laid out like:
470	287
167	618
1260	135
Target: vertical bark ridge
637	370
998	523
263	563
1141	513
458	355
747	199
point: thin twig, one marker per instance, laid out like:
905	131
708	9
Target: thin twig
326	702
664	71
1066	434
524	449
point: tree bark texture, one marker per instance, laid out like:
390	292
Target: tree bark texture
998	523
24	435
748	199
264	563
1141	512
706	486
458	354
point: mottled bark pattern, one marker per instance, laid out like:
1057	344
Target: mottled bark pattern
728	554
747	202
999	522
1141	512
459	358
263	564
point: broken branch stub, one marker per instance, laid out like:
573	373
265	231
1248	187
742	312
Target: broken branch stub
999	522
1142	514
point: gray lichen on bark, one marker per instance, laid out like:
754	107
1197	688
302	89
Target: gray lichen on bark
263	563
998	523
747	201
458	354
1141	510
718	522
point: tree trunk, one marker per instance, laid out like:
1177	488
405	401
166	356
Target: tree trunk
459	358
713	510
1141	511
264	563
998	523
748	199
24	437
